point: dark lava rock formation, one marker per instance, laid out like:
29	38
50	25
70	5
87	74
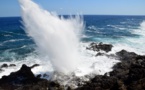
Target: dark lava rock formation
97	47
4	66
24	79
129	74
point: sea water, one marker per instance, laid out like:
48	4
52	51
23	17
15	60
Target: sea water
58	43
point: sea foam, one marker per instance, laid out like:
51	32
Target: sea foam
58	45
55	36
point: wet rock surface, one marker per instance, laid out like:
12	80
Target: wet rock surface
129	74
1	70
7	66
24	79
35	65
125	55
97	47
4	66
12	65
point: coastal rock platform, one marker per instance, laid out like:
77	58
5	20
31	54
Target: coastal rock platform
128	74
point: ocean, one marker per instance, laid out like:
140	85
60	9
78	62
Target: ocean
15	44
58	43
123	32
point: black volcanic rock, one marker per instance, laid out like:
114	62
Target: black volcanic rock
137	69
100	46
24	79
4	66
100	54
23	76
129	74
125	55
100	83
39	76
35	65
1	70
12	65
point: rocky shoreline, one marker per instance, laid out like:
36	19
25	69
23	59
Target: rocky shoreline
129	74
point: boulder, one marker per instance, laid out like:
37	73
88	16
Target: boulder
12	65
45	75
39	76
125	55
24	79
35	65
4	66
100	54
97	47
1	70
23	76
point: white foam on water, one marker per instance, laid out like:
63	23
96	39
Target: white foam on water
13	40
137	43
131	44
58	38
55	37
58	46
60	52
44	68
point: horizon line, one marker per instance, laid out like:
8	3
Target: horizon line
84	15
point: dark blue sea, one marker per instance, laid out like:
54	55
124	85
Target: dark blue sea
124	32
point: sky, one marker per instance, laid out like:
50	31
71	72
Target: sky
88	7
